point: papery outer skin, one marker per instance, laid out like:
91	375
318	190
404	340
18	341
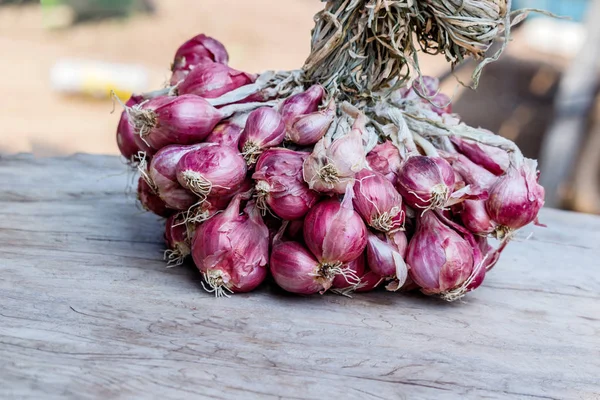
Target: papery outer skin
251	245
303	103
227	133
374	195
211	80
439	258
369	281
346	154
385	259
176	235
220	165
441	104
400	241
200	48
472	173
305	130
516	198
264	128
385	159
293	267
419	175
186	119
357	266
475	217
163	173
491	158
150	200
425	90
235	245
280	170
334	233
126	137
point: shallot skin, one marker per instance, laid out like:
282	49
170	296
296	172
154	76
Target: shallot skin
185	119
178	239
151	201
211	80
385	159
357	268
378	202
163	175
369	281
440	259
213	170
474	217
227	133
294	268
128	142
230	246
332	165
491	158
334	233
278	176
301	104
265	128
385	259
426	182
517	197
199	49
305	130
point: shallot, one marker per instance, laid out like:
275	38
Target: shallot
199	49
151	201
426	182
231	250
517	197
211	80
440	259
332	165
378	202
178	235
264	129
212	170
162	177
165	120
385	159
280	186
334	232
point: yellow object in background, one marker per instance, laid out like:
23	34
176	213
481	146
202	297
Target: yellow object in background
98	79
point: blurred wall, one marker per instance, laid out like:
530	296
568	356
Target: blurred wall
259	34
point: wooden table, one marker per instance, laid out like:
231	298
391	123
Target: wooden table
88	310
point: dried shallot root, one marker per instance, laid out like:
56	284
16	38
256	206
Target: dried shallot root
349	175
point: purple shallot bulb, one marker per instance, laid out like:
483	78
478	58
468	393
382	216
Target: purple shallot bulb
231	250
385	159
516	198
211	80
426	182
212	170
440	259
264	129
280	186
165	120
378	202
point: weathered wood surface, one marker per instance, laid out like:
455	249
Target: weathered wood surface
88	310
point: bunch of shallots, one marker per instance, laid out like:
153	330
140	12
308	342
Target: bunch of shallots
262	175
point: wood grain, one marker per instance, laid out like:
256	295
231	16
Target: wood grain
88	311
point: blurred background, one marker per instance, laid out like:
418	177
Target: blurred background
60	59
